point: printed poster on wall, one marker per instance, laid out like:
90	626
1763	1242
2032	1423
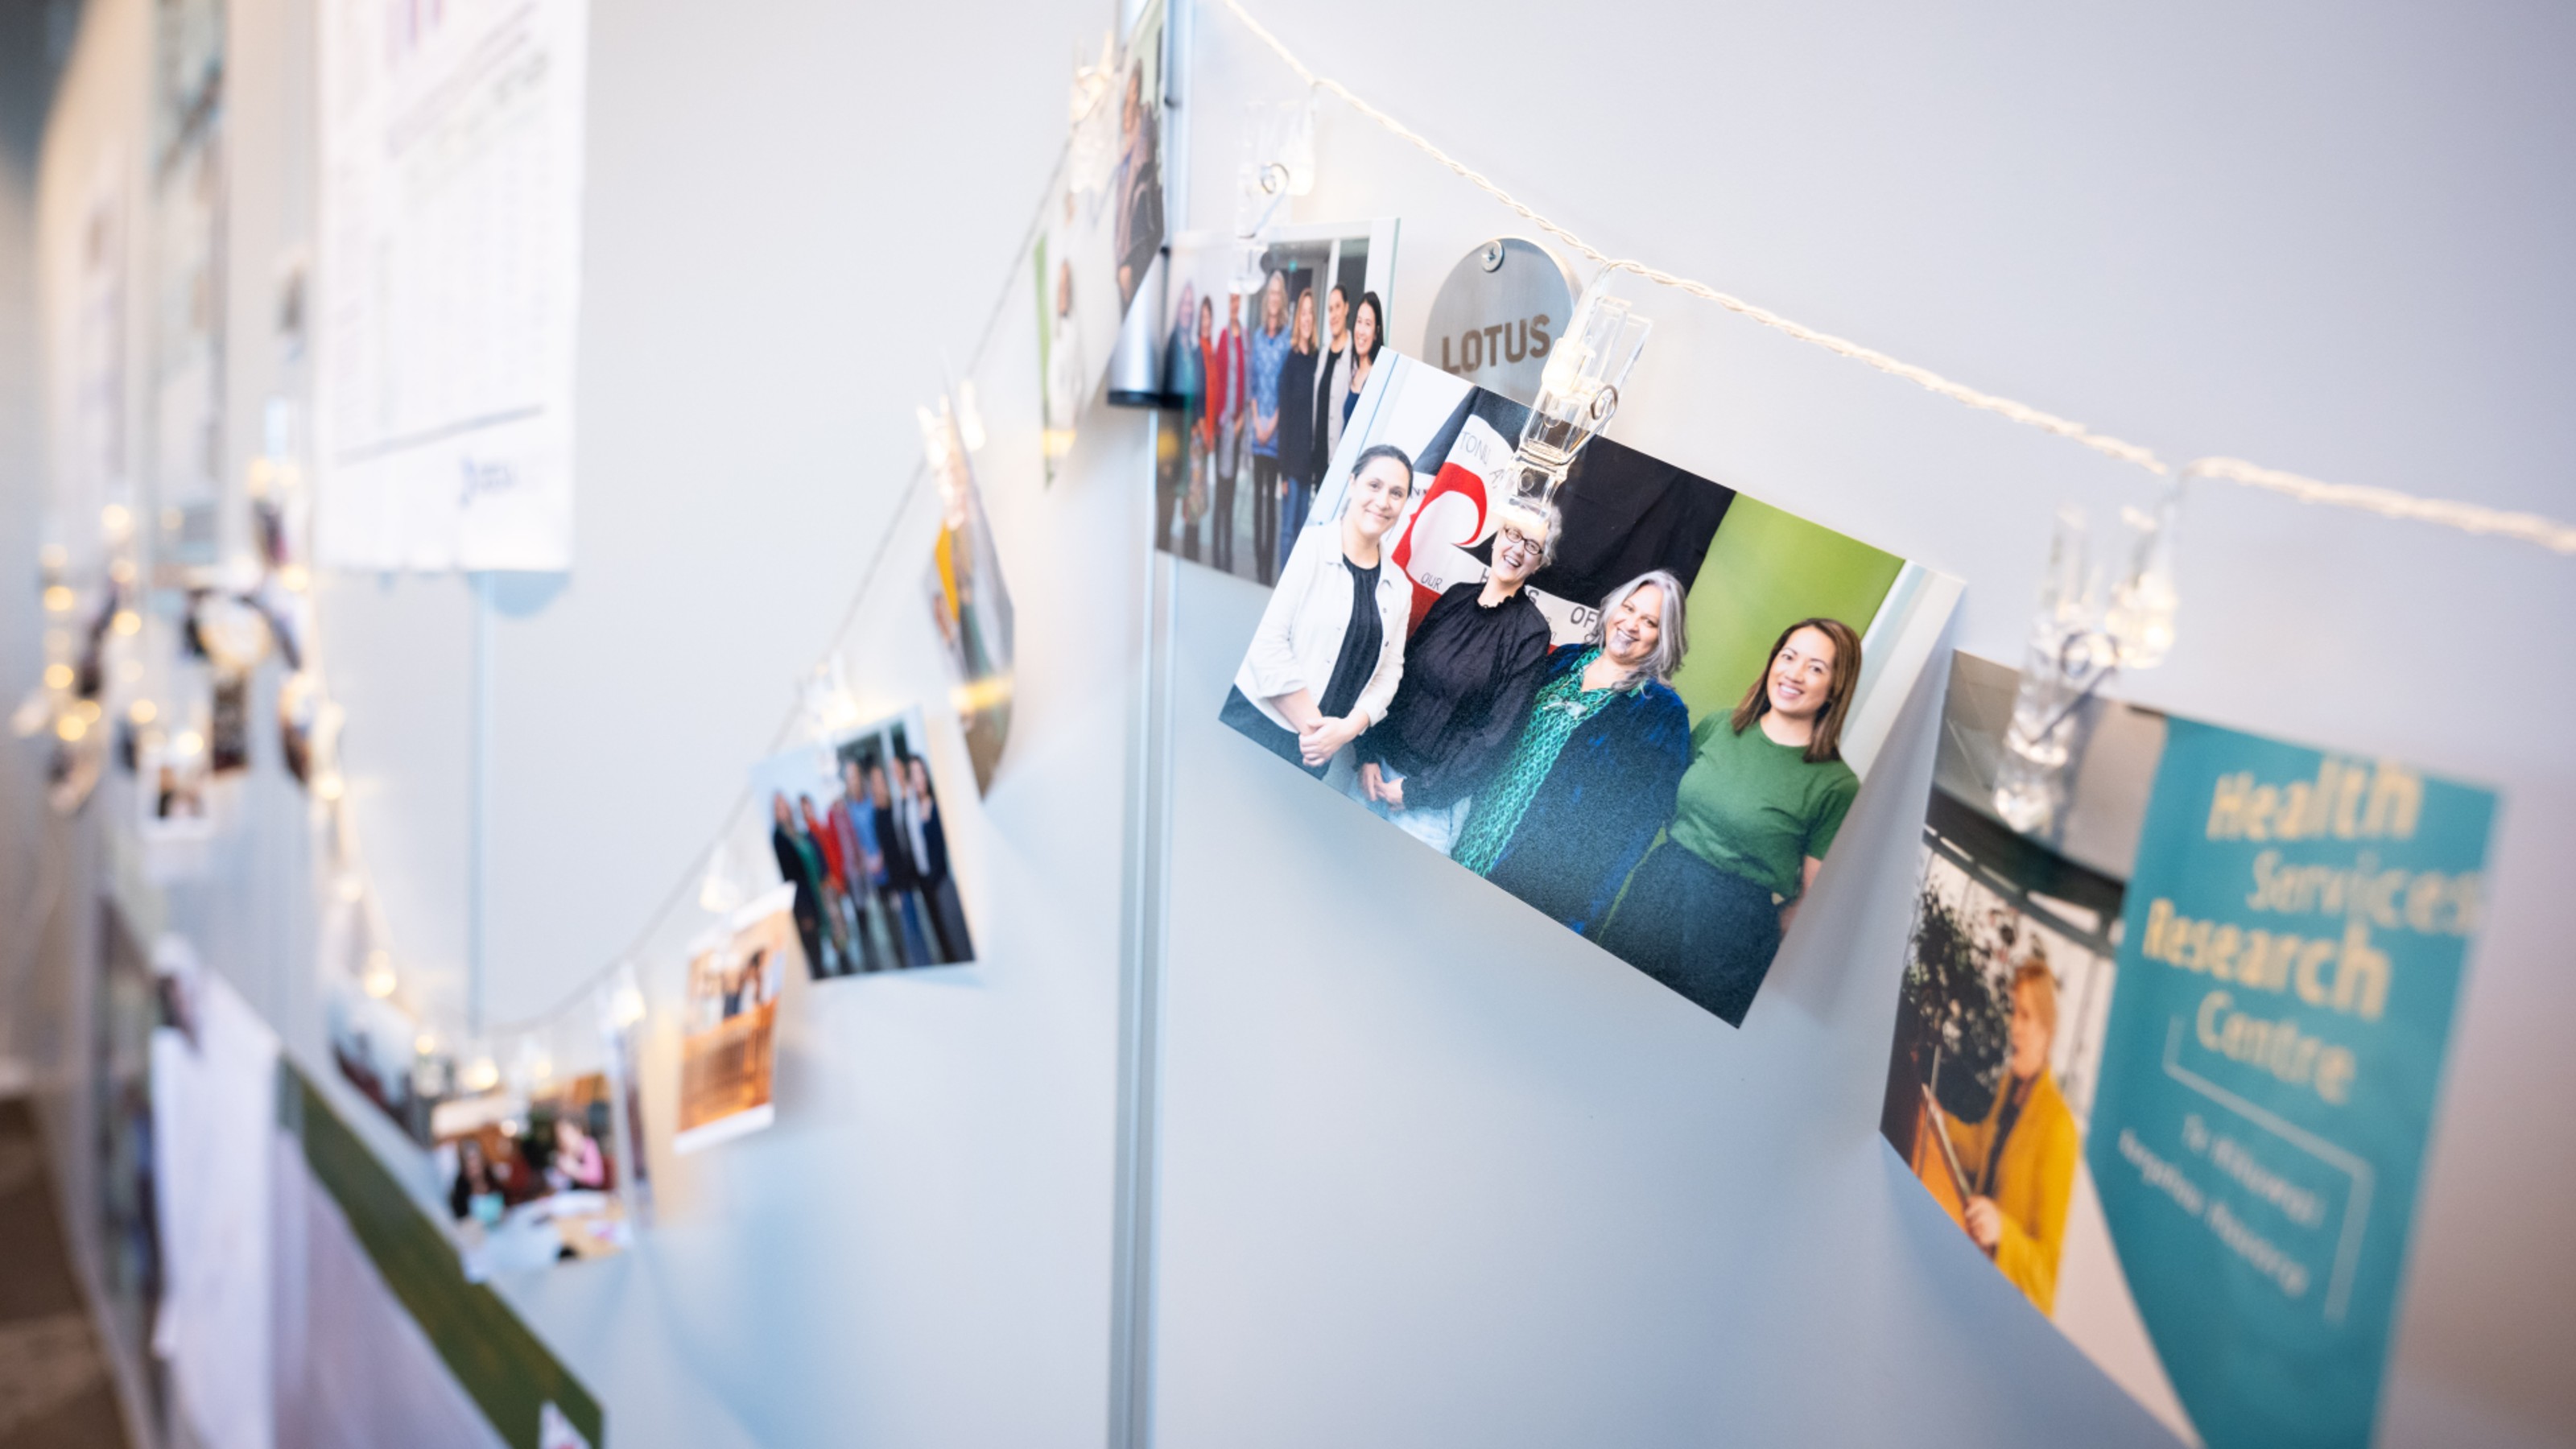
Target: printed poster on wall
1645	718
2171	1065
449	276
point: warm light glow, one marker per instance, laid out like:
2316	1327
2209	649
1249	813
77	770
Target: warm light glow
122	571
626	1007
482	1076
295	577
116	519
188	744
378	979
425	1043
53	556
71	727
126	622
329	786
58	676
88	711
350	887
142	711
59	599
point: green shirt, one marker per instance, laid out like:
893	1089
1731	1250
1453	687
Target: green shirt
1757	809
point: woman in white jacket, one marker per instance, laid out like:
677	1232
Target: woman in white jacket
1330	650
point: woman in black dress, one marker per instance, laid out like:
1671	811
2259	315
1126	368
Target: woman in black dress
1470	671
1297	477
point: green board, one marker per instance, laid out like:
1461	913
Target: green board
509	1374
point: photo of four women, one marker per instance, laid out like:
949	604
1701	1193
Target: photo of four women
870	869
1571	775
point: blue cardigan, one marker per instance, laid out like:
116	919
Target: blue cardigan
1611	789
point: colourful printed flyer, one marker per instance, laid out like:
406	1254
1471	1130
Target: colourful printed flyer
2171	1064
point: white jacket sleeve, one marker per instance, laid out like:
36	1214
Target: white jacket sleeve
1270	665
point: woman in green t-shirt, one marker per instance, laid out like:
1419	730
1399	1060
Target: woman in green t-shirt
1766	791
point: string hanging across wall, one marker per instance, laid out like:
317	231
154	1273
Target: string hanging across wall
2549	533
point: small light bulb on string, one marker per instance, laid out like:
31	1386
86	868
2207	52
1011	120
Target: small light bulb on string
970	417
1578	394
378	979
349	887
718	894
142	711
58	599
481	1074
2085	629
58	676
116	521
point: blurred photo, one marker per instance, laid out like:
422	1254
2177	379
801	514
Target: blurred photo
1645	714
857	834
531	1175
1262	368
728	1041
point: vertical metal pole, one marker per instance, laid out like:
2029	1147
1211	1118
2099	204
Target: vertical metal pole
1144	934
478	810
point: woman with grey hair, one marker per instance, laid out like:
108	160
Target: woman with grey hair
1592	774
1470	672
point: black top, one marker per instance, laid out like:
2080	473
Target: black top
1360	643
1321	438
1469	675
1296	421
1350	400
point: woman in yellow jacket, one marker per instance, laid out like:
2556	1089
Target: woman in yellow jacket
2020	1161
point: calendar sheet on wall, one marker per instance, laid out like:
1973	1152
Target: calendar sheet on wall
449	277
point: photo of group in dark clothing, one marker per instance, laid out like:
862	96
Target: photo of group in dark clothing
1645	712
1262	368
857	829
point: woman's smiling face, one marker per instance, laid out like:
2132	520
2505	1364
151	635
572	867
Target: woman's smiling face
1632	630
1378	492
1802	675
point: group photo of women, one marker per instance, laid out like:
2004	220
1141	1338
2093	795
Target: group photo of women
1683	837
1261	373
865	847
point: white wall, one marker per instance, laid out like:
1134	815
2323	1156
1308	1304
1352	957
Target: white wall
1433	1173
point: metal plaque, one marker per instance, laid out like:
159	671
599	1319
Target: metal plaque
1502	308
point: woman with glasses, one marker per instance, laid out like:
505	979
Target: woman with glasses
1470	671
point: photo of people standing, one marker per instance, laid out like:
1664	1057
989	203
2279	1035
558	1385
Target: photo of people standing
1260	369
1644	714
858	835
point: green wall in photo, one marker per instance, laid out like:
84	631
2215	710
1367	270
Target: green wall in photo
1765	571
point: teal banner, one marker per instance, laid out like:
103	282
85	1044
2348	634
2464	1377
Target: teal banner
2292	945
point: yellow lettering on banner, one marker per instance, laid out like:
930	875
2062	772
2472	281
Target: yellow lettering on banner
2347	800
2361	976
2278	1047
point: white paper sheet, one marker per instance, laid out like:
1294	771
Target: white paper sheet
449	279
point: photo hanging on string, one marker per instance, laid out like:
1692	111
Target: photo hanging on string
1261	369
857	832
532	1174
2169	1062
1646	717
729	1027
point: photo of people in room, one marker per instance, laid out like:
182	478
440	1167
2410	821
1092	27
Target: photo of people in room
1260	370
1643	708
857	834
530	1174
